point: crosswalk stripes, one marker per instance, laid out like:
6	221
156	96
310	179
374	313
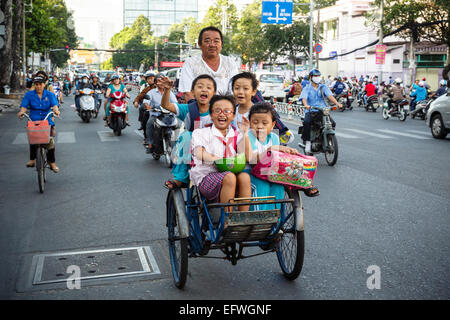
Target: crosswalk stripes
377	135
410	135
107	136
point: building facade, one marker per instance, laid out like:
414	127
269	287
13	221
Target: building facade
161	13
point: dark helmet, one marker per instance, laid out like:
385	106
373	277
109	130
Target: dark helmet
314	72
38	78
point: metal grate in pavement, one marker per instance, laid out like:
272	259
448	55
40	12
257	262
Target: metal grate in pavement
96	264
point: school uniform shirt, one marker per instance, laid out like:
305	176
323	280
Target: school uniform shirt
211	139
195	66
238	118
182	112
260	147
39	107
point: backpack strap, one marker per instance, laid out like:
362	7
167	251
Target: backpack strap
194	115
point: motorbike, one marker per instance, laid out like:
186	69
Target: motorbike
87	104
118	108
345	99
373	102
66	88
164	138
421	109
397	109
323	136
97	94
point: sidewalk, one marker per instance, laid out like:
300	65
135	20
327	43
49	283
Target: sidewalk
11	103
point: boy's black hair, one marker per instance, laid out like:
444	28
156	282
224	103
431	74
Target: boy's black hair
204	76
262	107
219	97
210	28
245	75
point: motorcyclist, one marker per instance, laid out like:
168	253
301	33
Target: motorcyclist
420	94
153	100
314	96
57	88
84	83
148	85
397	92
296	90
442	89
115	85
369	89
97	87
338	87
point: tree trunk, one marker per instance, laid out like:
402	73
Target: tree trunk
16	41
5	52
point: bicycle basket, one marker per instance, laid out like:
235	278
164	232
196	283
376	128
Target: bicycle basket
38	132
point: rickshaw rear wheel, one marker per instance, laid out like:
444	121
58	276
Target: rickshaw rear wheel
291	247
178	247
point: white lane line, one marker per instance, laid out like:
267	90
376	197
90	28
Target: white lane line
420	132
409	135
369	133
65	137
344	135
139	133
21	138
107	136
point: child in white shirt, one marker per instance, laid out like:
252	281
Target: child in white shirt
213	143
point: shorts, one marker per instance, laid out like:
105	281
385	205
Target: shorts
212	184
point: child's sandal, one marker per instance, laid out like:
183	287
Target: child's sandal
311	192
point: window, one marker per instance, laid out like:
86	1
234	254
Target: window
431	60
396	61
271	78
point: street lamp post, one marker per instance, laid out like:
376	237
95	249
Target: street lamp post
24	62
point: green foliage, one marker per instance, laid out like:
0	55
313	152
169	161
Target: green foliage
107	65
48	27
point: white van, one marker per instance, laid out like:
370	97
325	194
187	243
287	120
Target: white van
173	74
271	84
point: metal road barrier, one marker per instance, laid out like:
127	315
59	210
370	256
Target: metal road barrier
290	110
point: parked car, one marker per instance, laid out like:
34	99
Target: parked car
438	116
271	85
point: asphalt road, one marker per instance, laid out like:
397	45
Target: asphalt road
386	203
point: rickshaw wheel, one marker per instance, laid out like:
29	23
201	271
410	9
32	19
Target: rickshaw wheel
178	247
291	247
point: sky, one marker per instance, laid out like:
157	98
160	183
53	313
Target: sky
88	14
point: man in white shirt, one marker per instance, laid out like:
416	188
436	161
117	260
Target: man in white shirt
211	62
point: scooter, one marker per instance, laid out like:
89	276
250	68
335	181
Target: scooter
397	109
87	104
98	95
345	100
372	103
323	136
118	108
164	137
66	88
421	109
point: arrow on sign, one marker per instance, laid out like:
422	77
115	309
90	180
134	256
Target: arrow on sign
277	18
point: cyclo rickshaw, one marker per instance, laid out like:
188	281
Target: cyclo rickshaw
196	226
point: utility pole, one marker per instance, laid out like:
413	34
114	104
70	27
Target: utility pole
380	72
181	51
156	54
311	8
318	36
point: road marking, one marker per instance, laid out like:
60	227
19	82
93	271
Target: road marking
369	133
344	135
66	137
409	135
21	138
140	134
107	136
419	132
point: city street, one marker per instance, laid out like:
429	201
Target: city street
385	203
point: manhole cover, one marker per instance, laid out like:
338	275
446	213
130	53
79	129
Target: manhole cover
96	264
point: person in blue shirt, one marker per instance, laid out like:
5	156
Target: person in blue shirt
420	94
339	87
40	102
304	82
314	96
442	89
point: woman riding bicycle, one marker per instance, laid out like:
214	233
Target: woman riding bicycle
40	102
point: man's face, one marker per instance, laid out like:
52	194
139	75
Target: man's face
211	44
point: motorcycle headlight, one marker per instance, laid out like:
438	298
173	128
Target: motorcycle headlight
326	112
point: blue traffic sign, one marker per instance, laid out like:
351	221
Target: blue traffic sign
277	12
318	48
333	55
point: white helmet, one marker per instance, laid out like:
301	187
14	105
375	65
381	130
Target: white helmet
421	83
398	80
443	82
